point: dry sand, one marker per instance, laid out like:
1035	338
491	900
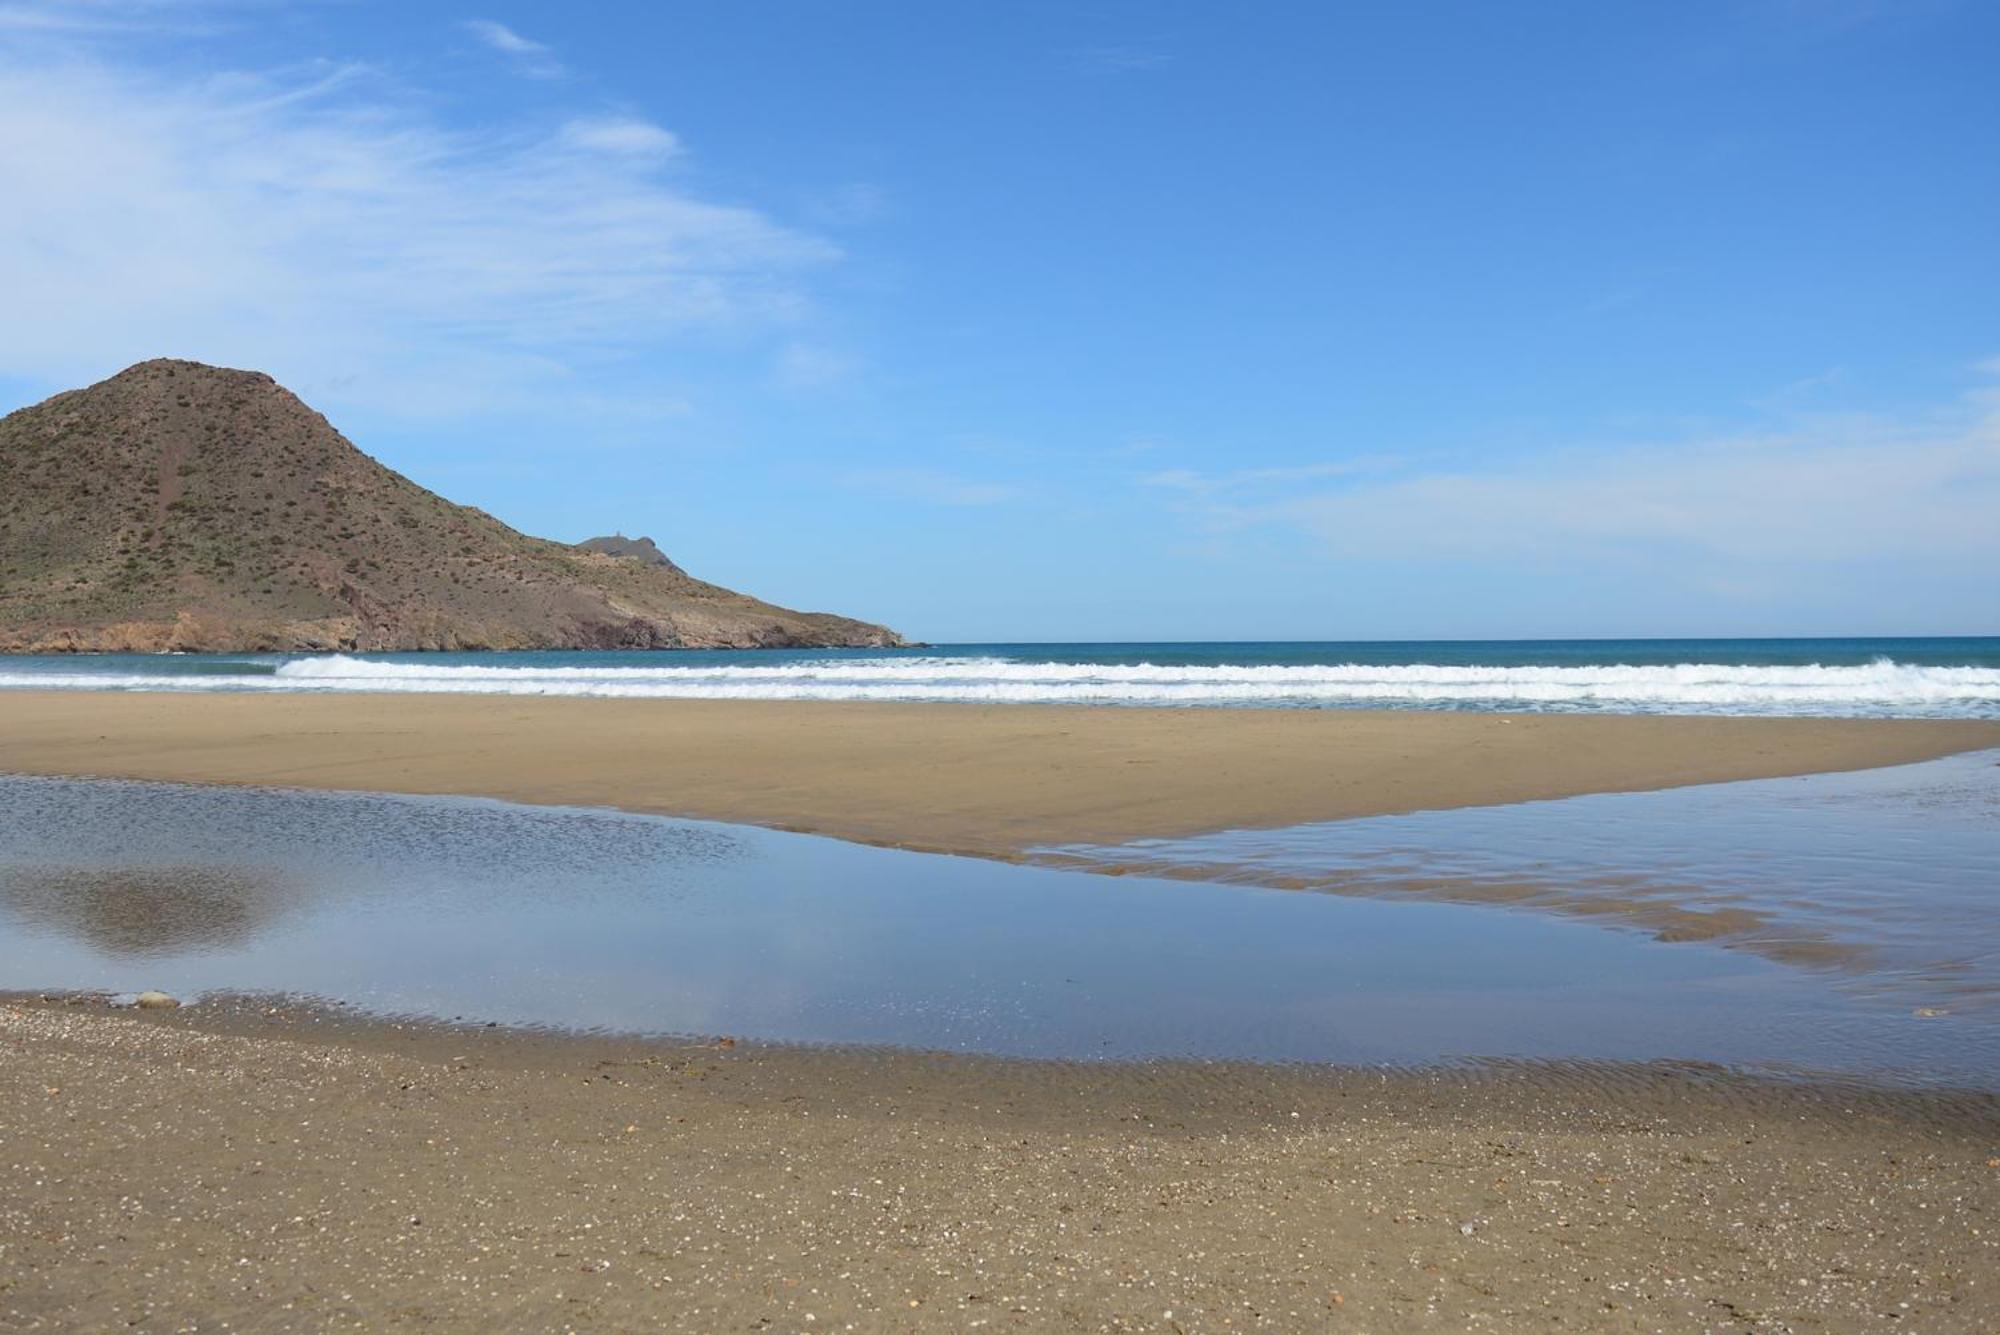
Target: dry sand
243	1170
972	779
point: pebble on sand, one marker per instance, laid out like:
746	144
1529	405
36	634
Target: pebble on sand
154	1001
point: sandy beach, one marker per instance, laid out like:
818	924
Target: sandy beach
279	1169
1046	667
954	778
271	1166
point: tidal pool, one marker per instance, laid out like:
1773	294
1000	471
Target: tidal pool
587	920
1888	878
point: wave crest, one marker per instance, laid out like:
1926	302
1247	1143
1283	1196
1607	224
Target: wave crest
1883	687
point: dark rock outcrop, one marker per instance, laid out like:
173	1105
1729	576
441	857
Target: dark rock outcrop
641	550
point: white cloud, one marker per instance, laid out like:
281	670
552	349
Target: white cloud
55	18
503	38
99	18
322	227
1827	494
622	134
535	59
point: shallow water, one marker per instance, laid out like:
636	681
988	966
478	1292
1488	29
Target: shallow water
600	921
1889	878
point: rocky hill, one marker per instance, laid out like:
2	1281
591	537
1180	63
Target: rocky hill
638	549
183	506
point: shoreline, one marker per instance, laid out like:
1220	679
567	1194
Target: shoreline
272	1166
992	781
1224	1094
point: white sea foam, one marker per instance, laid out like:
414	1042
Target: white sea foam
1879	688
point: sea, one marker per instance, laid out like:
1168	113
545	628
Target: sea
1937	677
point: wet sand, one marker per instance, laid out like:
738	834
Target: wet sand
289	1170
957	778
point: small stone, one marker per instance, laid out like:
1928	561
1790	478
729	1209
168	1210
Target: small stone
154	1001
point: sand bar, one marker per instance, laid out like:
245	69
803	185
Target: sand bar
974	779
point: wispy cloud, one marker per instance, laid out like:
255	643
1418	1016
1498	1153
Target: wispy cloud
1786	500
74	18
1820	494
503	38
57	18
321	224
535	59
622	134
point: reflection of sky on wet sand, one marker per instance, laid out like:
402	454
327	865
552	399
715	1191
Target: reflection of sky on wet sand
1889	876
598	920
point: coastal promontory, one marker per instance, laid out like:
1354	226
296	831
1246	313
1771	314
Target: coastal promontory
179	506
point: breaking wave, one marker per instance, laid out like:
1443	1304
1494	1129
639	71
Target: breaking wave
1884	687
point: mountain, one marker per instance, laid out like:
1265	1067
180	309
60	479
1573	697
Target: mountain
183	506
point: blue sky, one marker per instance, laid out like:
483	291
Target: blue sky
1085	321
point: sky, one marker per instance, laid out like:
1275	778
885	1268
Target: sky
1084	321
